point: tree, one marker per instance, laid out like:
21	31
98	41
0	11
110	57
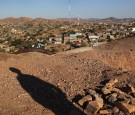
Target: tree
71	32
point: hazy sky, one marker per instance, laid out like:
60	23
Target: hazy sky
59	8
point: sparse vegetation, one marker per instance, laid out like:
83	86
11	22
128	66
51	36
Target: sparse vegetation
2	50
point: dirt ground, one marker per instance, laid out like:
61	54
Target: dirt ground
39	84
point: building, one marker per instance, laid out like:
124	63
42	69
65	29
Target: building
94	40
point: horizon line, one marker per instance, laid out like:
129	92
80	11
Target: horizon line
67	17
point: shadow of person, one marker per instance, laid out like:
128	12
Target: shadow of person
45	93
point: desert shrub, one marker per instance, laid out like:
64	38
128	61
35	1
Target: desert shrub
2	50
16	42
54	50
2	41
80	36
68	42
84	44
71	32
109	39
27	45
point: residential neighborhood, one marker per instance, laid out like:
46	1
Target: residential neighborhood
25	33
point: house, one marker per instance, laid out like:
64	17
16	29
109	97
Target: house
94	40
55	40
72	36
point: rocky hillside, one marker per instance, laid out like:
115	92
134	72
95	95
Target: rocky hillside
38	84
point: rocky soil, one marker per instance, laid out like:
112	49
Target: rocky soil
39	84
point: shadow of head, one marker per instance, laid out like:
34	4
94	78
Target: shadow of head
14	70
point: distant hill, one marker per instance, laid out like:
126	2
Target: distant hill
110	19
26	19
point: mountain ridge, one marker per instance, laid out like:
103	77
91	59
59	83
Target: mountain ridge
109	19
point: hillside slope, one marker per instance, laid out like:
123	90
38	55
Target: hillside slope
38	84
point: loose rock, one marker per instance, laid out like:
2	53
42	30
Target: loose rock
112	98
84	99
104	112
133	101
126	108
115	110
92	108
132	89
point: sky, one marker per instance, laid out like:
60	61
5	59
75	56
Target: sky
52	9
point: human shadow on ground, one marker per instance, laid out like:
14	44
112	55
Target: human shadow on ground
45	93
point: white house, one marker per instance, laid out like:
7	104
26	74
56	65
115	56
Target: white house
94	40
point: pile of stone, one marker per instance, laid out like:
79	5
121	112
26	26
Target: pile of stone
108	100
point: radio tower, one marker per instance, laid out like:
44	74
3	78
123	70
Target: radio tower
69	11
78	20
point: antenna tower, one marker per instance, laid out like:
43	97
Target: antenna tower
69	10
78	19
